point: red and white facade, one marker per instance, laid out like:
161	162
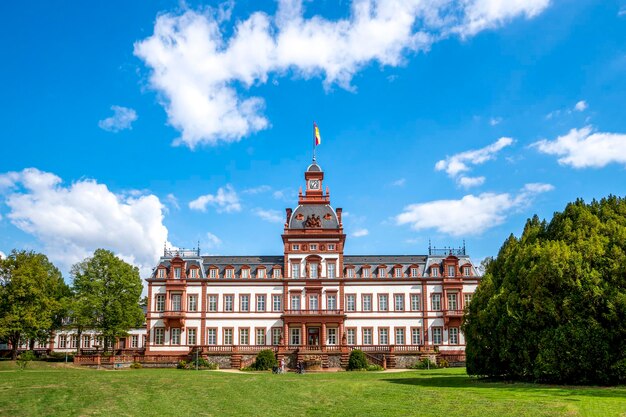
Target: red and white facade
311	298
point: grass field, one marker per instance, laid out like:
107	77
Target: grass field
56	390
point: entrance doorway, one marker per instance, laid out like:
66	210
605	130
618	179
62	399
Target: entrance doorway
313	338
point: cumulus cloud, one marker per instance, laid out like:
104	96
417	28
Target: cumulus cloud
122	119
581	106
73	220
273	216
459	163
225	200
212	240
172	201
584	148
495	121
360	233
399	183
205	77
470	215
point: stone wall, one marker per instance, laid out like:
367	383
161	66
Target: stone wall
334	361
222	361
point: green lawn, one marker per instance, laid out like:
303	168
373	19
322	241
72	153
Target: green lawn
59	391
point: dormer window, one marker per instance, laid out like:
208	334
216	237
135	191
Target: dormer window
213	273
193	273
276	272
451	270
260	273
414	272
397	272
161	273
365	272
467	271
381	272
245	273
177	272
434	271
350	272
229	273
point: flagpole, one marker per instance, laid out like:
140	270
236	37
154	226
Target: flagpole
314	144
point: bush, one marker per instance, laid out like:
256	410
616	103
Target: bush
265	360
136	365
425	363
202	363
182	365
357	361
24	358
59	357
375	368
443	363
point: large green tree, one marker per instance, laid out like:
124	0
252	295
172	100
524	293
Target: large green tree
33	297
552	306
107	291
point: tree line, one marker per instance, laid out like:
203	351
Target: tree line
35	300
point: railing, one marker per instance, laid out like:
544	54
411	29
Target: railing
313	312
173	314
454	313
446	251
183	252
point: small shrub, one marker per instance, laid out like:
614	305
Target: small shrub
425	363
24	358
182	365
375	368
136	365
357	360
443	363
265	360
202	364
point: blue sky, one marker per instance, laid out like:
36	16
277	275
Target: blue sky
127	125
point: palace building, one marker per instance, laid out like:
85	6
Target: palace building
311	301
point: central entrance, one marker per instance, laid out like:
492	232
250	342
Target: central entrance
313	338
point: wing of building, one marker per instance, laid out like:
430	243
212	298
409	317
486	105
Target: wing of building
311	300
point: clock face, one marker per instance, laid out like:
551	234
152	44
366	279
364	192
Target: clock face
314	184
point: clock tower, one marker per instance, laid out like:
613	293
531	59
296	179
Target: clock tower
314	176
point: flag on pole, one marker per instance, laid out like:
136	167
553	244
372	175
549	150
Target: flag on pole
316	132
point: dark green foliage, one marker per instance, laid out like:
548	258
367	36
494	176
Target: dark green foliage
374	367
182	365
136	365
265	360
424	363
357	360
552	306
24	358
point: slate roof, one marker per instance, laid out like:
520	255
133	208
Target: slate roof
319	210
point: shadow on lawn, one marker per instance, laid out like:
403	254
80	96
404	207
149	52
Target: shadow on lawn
463	382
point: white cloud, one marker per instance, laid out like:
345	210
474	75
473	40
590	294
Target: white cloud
173	201
203	76
257	190
72	221
467	182
581	106
225	200
360	233
456	164
471	215
273	216
212	240
122	119
495	121
583	148
399	183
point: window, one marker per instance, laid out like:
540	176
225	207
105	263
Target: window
453	334
451	270
228	336
294	334
193	272
192	303
350	272
313	247
260	303
176	302
244	303
434	272
398	272
295	270
276	334
161	273
314	302
229	273
160	302
467	299
399	336
332	335
191	336
382	273
212	273
330	269
415	336
367	336
260	337
350	302
383	336
74	341
212	303
313	269
211	336
467	271
383	302
331	246
276	303
86	341
414	273
295	302
436	302
62	341
177	273
437	335
175	336
415	302
367	302
399	302
276	273
260	273
134	341
228	303
351	336
331	302
295	247
245	273
452	304
159	335
365	272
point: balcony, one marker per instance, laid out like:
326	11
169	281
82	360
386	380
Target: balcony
292	313
454	315
174	317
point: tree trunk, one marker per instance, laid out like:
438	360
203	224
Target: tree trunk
79	333
14	339
31	344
